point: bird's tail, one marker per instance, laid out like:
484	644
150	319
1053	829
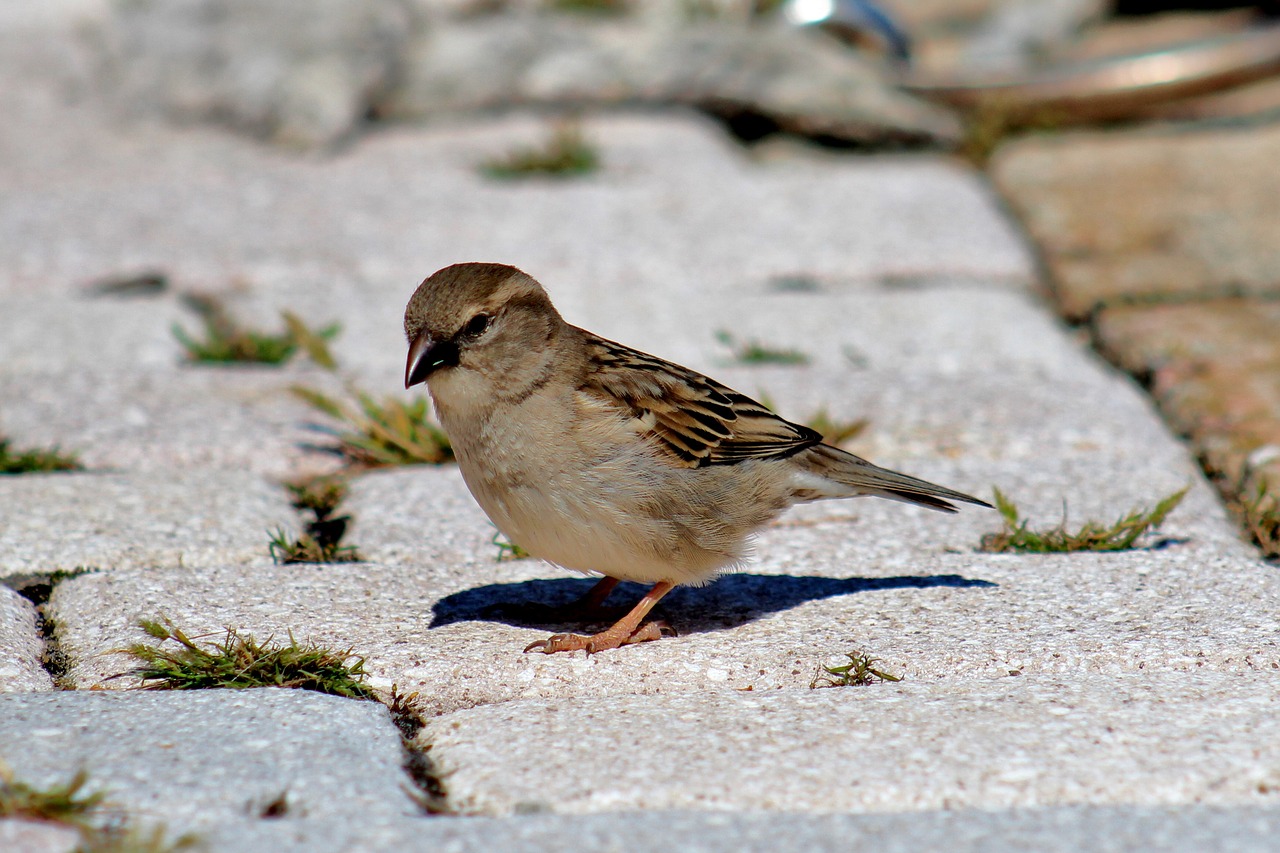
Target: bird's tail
828	472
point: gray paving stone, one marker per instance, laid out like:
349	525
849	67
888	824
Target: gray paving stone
46	333
1185	829
20	646
846	325
1150	740
29	836
192	760
163	421
110	521
411	201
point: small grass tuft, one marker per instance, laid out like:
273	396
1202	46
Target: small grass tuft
134	839
1261	515
507	550
66	803
589	7
858	672
834	432
754	352
318	495
567	153
226	342
1092	536
393	432
34	461
322	541
240	662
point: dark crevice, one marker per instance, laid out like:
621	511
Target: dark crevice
37	587
429	789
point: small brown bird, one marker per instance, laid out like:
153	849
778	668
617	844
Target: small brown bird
605	460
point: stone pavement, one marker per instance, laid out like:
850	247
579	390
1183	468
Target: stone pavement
1099	701
1163	243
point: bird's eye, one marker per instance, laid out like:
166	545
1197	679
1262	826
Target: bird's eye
476	325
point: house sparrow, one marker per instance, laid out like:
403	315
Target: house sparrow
605	460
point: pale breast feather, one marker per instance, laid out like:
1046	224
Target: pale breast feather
695	419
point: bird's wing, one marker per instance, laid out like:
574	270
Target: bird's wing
696	420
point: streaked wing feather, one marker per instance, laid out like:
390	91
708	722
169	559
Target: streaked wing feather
695	419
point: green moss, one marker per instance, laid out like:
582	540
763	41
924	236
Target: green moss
239	662
34	461
66	803
567	153
1092	536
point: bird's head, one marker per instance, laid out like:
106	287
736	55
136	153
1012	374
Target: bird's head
475	325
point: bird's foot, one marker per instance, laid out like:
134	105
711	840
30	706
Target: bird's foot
605	640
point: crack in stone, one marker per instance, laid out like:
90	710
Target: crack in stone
37	587
429	789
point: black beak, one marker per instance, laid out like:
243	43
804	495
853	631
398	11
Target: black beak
426	356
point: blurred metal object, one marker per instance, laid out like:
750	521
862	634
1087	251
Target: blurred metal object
1116	86
851	21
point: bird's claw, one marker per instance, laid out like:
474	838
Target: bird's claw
603	641
559	643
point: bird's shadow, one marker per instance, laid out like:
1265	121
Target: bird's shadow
731	601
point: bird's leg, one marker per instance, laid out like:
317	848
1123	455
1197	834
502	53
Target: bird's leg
589	604
626	630
584	609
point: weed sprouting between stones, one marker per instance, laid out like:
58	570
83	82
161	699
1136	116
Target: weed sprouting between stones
393	432
240	662
834	432
225	341
754	352
566	153
589	7
858	672
134	839
321	543
67	803
1261	515
1092	536
34	461
322	540
507	550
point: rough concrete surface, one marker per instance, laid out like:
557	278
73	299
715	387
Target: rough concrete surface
109	521
166	421
31	836
20	646
191	760
438	613
1088	701
1105	829
972	743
